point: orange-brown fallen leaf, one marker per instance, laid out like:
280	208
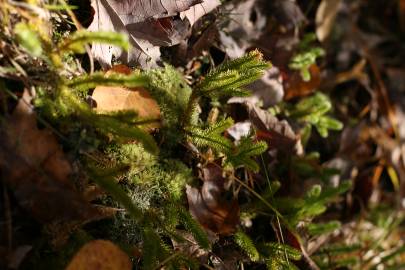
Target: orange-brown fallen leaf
295	86
34	165
209	205
115	98
100	255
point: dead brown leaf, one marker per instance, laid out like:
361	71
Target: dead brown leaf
209	205
33	164
278	134
295	86
100	255
141	21
199	10
116	98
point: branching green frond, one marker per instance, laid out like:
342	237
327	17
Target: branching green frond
219	127
228	78
212	136
247	245
194	228
242	154
313	193
323	228
78	40
86	82
309	211
305	58
279	264
310	108
236	155
313	110
316	200
168	87
330	194
281	250
153	249
252	60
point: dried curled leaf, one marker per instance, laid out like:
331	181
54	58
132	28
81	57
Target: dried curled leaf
100	255
146	25
278	134
209	205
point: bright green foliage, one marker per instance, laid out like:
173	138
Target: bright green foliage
243	153
276	263
312	110
148	172
236	155
212	136
86	82
314	203
78	40
66	103
278	255
168	87
306	56
304	60
153	249
247	245
323	228
194	227
273	249
228	78
275	255
28	39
